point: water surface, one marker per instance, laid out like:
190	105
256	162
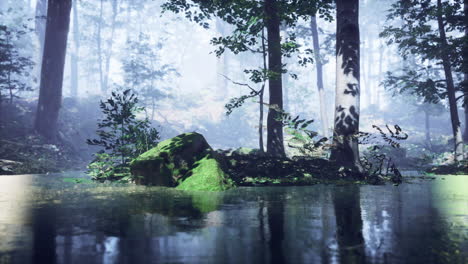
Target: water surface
44	219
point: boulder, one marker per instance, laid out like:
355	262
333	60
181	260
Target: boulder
246	151
8	167
186	161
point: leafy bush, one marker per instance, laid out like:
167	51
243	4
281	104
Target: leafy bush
377	161
303	140
102	167
122	135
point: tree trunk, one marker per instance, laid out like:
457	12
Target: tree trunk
111	41
75	53
319	70
466	110
262	91
40	27
345	151
275	146
380	76
465	67
222	64
456	126
99	49
428	129
55	46
369	87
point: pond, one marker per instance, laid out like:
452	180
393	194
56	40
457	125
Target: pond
54	219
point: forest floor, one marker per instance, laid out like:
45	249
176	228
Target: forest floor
23	151
449	169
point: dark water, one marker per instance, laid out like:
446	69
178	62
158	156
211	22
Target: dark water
46	220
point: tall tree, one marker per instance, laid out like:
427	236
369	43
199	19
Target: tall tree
465	65
345	151
275	144
53	61
99	47
319	72
75	53
110	41
430	34
456	126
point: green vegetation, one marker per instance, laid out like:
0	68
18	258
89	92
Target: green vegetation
207	175
14	64
122	134
186	161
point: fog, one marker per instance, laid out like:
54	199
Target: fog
193	85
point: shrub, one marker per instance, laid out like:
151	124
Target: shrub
122	135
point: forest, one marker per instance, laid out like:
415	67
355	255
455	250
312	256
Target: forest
233	131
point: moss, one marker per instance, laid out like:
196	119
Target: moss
207	175
169	146
245	151
186	161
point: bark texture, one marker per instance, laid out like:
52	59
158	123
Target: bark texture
456	126
465	67
55	45
275	145
345	151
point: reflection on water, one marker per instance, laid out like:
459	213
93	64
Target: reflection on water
45	220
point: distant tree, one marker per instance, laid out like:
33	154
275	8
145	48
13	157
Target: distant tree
102	19
256	77
14	66
424	34
143	71
345	151
75	54
319	72
40	24
53	61
104	68
419	86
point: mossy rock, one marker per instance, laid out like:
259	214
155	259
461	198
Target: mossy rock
246	151
207	175
186	161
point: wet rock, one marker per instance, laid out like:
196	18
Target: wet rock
186	161
8	167
246	151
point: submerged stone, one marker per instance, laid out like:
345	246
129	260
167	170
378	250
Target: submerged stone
186	161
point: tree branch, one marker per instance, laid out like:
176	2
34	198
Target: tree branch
241	84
